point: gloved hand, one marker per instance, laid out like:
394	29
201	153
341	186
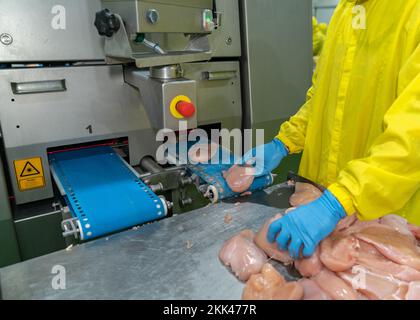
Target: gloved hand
266	157
307	225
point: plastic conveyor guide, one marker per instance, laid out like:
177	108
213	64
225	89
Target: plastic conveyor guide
211	173
103	193
217	187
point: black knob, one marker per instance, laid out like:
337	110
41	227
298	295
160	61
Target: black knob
107	23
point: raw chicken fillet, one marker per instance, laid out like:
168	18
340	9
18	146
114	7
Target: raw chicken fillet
242	255
311	291
304	194
309	267
240	178
394	245
360	260
271	249
270	285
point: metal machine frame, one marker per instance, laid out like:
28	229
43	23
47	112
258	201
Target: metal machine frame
62	88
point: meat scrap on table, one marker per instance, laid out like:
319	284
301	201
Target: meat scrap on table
360	260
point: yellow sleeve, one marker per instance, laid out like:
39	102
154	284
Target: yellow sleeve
293	132
389	176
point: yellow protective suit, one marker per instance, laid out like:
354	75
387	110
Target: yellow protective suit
318	37
323	27
360	126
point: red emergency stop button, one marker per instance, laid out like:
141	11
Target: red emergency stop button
186	109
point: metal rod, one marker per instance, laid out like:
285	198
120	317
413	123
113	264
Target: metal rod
149	164
154	46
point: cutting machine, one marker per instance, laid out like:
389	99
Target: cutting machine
85	86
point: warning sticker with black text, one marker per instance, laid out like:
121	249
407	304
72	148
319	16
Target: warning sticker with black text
29	173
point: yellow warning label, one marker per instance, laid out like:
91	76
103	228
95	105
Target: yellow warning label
29	174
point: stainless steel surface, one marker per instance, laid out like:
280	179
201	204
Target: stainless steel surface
166	72
173	259
148	164
38	35
277	58
169	179
121	48
157	188
228	13
144	60
6	39
142	17
173	16
39	86
218	101
189	3
80	41
157	96
95	96
71	228
226	39
223	75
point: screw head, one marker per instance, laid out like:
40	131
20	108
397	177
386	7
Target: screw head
152	16
6	39
229	41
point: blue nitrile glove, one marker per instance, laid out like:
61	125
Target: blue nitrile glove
307	225
267	157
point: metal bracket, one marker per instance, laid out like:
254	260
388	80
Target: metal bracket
119	47
71	227
217	19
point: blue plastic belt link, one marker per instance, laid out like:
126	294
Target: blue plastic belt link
212	174
103	193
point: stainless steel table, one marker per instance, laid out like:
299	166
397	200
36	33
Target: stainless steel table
176	258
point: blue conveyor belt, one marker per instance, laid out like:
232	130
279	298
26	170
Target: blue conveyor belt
213	176
103	192
212	173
